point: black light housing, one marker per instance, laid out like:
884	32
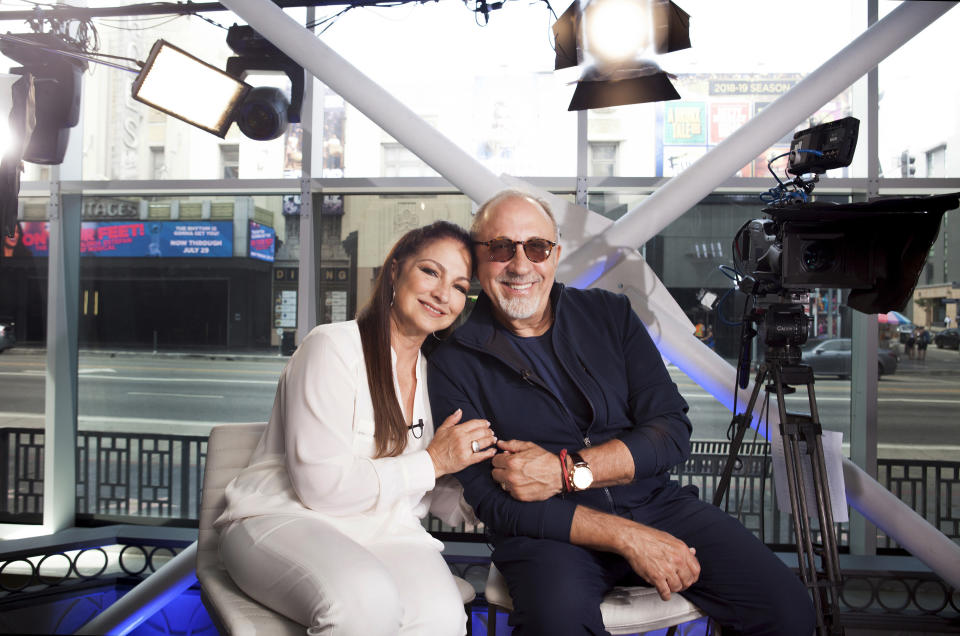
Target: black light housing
53	104
566	38
671	27
640	82
266	111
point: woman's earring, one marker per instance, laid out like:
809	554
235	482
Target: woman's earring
393	297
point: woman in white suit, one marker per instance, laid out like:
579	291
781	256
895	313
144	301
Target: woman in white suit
323	525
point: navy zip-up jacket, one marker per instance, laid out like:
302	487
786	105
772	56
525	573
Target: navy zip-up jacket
597	334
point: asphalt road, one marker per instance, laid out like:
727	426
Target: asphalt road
144	393
917	412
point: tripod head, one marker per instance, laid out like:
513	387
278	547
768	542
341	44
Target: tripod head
783	325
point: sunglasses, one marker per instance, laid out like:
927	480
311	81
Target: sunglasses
503	249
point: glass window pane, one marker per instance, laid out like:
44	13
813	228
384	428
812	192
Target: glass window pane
492	91
120	135
907	138
737	66
179	330
23	335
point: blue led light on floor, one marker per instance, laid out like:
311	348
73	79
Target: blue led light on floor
67	612
184	616
478	617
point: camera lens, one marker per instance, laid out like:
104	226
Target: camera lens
819	256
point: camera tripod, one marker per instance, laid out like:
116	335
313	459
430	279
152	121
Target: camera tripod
782	371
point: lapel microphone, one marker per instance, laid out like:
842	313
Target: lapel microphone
417	429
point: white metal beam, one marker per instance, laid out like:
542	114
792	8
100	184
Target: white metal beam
60	396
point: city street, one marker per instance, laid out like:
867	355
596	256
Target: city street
140	392
188	393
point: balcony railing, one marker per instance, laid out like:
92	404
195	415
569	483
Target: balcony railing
157	479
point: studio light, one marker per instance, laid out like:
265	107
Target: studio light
637	82
617	30
47	95
198	93
616	40
266	112
186	87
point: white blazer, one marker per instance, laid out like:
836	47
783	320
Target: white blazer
315	458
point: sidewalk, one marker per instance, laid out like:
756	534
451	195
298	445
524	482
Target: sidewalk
937	362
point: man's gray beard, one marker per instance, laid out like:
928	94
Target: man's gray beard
518	308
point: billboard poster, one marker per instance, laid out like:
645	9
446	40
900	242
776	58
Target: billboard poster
725	118
685	123
136	239
35	237
676	159
263	242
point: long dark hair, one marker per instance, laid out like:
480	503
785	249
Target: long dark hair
390	427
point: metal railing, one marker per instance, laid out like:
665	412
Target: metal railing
154	478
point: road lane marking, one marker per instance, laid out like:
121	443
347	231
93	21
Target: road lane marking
185	395
820	398
139	379
113	419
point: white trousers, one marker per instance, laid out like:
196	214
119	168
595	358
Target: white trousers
317	576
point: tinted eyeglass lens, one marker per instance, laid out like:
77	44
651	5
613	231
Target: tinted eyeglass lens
503	249
537	250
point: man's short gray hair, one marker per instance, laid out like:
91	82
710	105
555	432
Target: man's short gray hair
502	196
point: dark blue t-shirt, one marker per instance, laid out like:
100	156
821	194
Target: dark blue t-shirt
538	352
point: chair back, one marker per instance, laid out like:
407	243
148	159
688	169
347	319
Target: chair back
228	452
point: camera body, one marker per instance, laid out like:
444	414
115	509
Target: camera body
876	249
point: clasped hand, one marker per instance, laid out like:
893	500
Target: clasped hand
527	471
662	560
451	448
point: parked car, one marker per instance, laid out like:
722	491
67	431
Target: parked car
947	339
833	357
7	339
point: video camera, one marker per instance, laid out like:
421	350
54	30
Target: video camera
876	249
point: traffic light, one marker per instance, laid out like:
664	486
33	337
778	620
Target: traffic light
908	166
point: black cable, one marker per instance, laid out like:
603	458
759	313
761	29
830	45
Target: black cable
86	56
549	6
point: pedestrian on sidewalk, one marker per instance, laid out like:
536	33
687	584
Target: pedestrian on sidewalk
923	339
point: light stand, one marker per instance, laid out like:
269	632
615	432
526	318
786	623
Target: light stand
779	374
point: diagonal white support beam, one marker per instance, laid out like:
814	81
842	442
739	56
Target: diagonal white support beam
667	203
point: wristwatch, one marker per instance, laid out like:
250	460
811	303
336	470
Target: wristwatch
580	475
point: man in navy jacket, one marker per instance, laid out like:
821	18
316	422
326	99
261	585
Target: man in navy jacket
590	423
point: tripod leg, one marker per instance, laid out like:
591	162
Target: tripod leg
743	422
806	559
789	430
830	555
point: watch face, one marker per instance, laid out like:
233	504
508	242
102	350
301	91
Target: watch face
582	477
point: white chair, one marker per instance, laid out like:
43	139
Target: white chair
233	612
625	610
